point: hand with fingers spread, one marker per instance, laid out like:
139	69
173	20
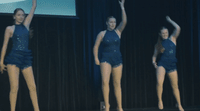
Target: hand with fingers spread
122	3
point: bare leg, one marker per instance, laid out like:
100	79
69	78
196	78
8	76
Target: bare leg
173	76
160	73
105	74
28	75
117	75
13	73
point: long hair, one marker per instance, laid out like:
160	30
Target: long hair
158	45
30	29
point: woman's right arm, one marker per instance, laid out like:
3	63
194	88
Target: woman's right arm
4	48
154	58
96	48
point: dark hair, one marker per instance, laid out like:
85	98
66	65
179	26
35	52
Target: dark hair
16	10
30	29
158	45
31	32
109	18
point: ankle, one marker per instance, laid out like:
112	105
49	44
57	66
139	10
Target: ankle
36	110
119	109
160	101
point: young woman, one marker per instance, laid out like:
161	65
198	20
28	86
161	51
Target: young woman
20	56
167	63
111	60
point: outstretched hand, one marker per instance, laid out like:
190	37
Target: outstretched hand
2	68
177	28
122	3
168	19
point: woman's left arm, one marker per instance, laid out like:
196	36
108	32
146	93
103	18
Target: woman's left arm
30	15
177	29
122	25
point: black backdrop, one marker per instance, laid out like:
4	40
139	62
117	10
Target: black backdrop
65	73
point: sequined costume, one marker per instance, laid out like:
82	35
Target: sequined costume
168	58
20	55
111	49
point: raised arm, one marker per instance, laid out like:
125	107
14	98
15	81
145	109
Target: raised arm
30	15
96	47
177	29
154	58
4	48
122	24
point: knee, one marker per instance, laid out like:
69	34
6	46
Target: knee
174	86
117	83
159	83
14	89
105	83
32	88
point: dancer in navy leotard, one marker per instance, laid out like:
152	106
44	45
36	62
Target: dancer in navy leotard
111	49
168	58
111	60
20	56
167	63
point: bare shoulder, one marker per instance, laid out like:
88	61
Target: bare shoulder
102	33
10	30
10	27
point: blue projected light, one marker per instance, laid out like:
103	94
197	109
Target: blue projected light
44	7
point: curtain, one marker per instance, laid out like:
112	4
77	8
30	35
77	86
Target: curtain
67	78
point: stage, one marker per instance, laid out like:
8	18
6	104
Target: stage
154	109
63	63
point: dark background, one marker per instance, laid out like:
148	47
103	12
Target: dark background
67	78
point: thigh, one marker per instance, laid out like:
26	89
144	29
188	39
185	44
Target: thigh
13	73
105	71
28	76
160	74
117	73
173	77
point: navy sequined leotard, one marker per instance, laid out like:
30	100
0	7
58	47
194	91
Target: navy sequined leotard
111	49
168	58
20	55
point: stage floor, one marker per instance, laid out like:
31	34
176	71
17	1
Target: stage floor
155	109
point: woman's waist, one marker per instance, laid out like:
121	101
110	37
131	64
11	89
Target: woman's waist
111	50
168	59
111	54
25	51
20	47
